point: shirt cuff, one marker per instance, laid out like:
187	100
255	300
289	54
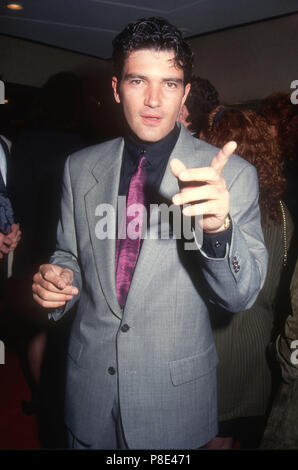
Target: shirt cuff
214	244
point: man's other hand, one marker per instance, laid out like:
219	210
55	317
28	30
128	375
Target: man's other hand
52	286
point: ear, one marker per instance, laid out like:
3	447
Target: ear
186	91
115	88
183	115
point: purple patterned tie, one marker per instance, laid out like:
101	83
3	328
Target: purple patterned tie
127	249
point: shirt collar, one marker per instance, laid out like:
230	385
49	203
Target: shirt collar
154	151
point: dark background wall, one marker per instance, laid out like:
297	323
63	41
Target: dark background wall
244	63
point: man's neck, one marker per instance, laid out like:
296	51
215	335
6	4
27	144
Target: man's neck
173	134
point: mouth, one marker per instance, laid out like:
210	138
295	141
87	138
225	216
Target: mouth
151	119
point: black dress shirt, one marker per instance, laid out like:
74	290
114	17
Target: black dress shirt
157	155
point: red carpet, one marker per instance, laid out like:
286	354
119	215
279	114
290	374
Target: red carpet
17	431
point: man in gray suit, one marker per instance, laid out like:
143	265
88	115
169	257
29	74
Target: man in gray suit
142	371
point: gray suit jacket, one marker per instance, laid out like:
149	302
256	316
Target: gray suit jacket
165	362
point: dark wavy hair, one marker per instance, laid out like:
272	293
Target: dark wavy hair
152	33
278	110
256	145
288	136
202	98
276	107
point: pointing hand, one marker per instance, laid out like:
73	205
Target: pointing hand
207	194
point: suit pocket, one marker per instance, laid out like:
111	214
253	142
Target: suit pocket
191	368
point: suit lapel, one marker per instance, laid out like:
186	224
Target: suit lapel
153	250
105	191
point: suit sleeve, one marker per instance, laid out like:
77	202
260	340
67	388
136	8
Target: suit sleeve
66	254
234	281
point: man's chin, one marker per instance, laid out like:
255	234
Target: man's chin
151	135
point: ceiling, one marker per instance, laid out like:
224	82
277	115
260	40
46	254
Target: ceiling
88	26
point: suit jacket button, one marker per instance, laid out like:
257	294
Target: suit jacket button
124	328
111	370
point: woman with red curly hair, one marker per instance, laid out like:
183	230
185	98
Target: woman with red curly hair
275	109
282	117
244	376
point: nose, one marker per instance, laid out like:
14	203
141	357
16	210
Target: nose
153	96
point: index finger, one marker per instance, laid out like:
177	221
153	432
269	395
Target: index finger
220	160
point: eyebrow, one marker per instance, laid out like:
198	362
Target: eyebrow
130	76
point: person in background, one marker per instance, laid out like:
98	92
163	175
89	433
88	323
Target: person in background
275	109
244	373
202	98
10	233
282	117
282	428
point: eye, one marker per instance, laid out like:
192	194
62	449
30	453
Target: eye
171	85
136	81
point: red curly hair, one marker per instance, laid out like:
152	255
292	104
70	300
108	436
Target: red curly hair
278	110
256	145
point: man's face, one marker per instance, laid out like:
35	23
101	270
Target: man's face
151	92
